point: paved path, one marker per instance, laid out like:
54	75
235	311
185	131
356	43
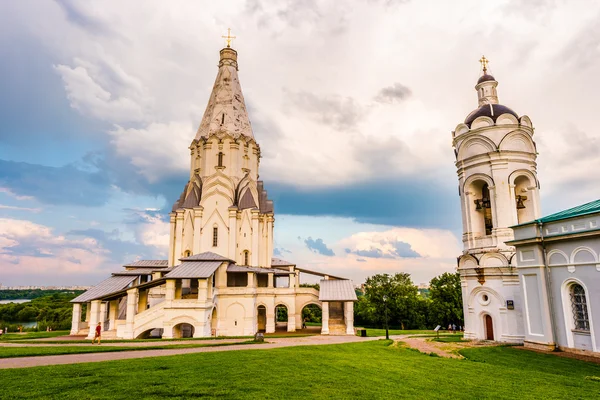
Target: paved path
125	344
23	362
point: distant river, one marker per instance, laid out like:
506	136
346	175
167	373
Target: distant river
14	301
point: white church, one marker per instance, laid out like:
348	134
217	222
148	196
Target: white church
525	279
220	278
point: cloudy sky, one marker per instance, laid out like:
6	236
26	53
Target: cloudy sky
352	102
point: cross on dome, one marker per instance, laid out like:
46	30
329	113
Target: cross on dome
484	63
228	38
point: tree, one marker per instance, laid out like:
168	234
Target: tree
446	300
404	307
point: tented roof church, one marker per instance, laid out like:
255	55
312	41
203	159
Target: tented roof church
220	278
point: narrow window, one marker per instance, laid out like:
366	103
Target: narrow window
579	307
215	236
246	257
487	209
220	159
222	118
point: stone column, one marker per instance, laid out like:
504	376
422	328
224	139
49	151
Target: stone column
197	246
169	292
143	302
292	280
94	314
270	323
233	234
113	312
132	300
76	318
269	246
255	238
178	237
172	240
102	318
202	291
270	280
291	325
297	279
349	317
325	319
251	283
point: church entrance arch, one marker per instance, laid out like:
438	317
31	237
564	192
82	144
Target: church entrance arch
281	317
261	318
489	327
311	318
183	330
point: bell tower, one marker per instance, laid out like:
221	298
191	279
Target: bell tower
498	187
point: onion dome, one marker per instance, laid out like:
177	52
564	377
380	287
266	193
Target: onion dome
485	78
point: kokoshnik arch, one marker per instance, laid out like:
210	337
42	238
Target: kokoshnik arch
220	278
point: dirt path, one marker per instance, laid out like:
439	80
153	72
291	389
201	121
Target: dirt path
24	362
125	344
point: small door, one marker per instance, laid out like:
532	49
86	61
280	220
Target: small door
489	328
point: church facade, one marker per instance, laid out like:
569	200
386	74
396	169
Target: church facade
220	278
498	187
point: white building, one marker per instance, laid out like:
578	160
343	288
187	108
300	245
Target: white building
559	270
498	188
220	277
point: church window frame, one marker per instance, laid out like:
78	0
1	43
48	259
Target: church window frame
215	236
246	257
220	159
579	308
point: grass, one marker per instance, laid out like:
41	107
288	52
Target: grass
11	352
32	335
374	332
450	339
371	370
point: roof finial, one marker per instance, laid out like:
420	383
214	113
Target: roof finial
228	38
484	63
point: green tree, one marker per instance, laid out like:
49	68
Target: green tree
446	300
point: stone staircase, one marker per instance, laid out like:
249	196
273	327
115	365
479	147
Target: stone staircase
337	327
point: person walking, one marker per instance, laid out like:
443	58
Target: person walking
98	332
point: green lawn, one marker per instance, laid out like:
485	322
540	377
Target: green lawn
368	370
371	332
450	338
40	350
32	335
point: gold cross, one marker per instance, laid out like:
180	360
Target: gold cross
484	63
228	37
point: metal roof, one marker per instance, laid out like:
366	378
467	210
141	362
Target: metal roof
336	290
206	256
584	209
108	286
257	270
278	262
194	269
579	211
149	264
137	272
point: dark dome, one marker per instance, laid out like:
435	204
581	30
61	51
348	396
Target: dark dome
486	111
485	78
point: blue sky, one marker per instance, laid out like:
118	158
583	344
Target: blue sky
352	103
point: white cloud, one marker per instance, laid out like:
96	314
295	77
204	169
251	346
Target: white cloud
34	251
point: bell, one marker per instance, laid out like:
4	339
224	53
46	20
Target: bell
520	204
477	205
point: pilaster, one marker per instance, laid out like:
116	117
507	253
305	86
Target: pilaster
233	234
76	318
325	318
197	243
255	238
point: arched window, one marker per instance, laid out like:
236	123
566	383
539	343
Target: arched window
215	236
487	209
187	253
220	159
579	308
246	257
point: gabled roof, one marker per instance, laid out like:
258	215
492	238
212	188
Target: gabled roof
148	264
110	285
584	209
336	290
206	256
257	270
194	269
137	271
278	262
